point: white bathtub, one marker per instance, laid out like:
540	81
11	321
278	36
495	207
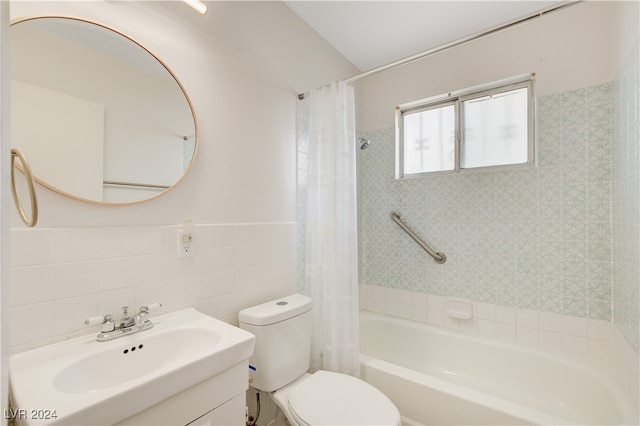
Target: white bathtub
438	377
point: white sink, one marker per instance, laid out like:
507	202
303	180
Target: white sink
90	382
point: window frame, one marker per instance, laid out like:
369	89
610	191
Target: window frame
457	98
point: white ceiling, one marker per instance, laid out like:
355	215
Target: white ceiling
374	33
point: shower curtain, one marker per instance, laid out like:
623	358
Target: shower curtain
332	252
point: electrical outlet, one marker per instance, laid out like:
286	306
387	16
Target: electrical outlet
186	248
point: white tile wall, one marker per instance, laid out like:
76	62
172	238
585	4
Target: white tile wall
574	336
626	199
60	276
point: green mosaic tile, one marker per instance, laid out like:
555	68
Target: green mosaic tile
547	229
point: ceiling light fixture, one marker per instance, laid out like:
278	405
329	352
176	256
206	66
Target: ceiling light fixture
198	5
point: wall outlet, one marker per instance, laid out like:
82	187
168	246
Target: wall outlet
186	248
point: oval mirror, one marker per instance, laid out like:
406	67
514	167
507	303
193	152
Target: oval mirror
99	117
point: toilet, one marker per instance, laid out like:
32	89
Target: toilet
279	366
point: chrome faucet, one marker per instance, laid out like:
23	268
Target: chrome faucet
126	320
111	329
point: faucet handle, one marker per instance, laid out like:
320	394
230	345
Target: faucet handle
106	321
109	324
150	308
94	320
143	315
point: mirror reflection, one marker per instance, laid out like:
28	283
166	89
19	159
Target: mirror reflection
98	116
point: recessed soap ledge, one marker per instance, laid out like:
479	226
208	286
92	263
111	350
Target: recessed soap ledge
459	308
187	359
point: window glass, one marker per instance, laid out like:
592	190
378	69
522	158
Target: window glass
429	142
495	129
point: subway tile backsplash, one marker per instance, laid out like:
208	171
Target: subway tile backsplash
60	276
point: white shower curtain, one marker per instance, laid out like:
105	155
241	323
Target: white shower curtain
332	251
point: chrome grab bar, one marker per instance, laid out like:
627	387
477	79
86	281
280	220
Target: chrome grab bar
439	257
141	185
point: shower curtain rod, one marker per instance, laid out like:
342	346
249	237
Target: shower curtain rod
455	43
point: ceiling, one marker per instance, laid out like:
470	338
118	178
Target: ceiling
374	33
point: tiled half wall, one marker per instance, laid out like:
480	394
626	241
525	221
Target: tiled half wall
60	276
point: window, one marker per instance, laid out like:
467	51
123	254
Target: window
476	128
429	139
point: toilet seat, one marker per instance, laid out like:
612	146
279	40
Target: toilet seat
328	398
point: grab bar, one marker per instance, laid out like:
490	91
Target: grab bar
439	257
140	185
15	152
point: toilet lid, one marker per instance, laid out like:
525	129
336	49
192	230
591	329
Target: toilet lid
328	398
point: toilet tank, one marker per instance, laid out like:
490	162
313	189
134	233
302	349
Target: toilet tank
283	340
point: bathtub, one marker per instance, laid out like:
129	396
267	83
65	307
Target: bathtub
437	376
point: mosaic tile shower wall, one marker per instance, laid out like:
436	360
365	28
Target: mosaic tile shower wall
626	199
534	238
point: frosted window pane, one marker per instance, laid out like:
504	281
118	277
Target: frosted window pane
429	140
495	129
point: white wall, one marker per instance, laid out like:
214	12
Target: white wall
242	69
559	47
626	29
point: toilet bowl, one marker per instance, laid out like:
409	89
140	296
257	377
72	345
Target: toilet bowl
328	398
279	366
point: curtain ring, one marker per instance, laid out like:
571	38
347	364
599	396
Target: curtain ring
15	152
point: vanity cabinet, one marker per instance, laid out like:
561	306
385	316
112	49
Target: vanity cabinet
219	400
228	413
